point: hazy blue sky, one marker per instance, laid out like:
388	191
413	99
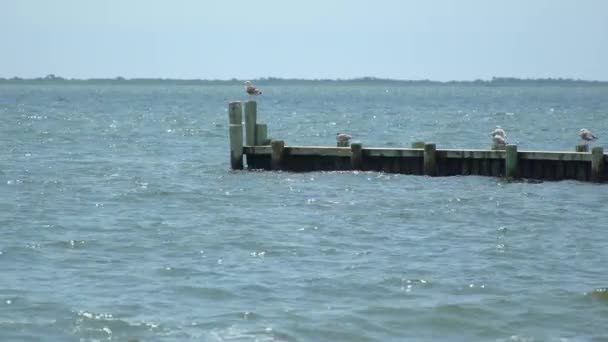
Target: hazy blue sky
403	39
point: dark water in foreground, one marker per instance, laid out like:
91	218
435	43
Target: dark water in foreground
120	219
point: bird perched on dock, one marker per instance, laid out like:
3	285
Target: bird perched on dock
499	138
586	135
251	90
499	131
342	139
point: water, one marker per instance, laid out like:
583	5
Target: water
121	220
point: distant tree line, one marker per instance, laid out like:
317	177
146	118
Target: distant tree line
495	81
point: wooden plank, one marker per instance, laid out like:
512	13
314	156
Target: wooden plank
550	168
392	152
257	150
537	169
564	156
405	166
475	167
318	151
466	166
470	154
581	171
570	170
396	165
417	166
442	153
496	167
560	170
486	169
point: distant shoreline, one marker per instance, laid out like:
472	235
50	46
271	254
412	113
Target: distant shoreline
495	81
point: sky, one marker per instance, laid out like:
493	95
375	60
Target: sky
245	39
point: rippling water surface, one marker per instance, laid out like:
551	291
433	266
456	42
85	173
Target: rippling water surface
121	220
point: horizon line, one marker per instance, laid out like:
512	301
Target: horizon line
494	79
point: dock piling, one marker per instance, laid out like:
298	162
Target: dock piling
251	114
235	119
582	148
430	160
278	150
597	164
511	167
356	157
261	134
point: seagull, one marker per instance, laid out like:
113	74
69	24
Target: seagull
342	137
586	135
499	140
499	131
251	90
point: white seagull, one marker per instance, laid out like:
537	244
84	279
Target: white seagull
251	90
343	137
586	135
499	140
498	131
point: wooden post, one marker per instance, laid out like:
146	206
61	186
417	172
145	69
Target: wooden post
597	164
235	117
235	113
356	157
278	148
511	167
582	148
430	160
261	134
418	144
342	143
251	114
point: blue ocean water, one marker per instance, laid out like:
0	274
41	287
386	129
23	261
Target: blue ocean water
121	220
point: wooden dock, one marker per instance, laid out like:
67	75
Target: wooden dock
420	159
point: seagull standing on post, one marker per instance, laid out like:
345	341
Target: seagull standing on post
586	135
499	138
251	90
499	131
343	139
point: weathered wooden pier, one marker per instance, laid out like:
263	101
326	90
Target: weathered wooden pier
264	153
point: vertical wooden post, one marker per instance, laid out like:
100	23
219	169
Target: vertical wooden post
597	164
430	160
511	167
278	148
235	118
356	157
582	148
418	144
251	114
261	134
